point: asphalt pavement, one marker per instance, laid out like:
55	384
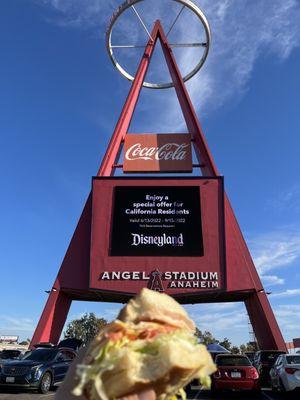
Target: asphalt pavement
14	394
194	395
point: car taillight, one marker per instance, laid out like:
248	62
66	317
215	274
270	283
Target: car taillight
253	373
290	370
217	374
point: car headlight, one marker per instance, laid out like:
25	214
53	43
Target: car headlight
36	372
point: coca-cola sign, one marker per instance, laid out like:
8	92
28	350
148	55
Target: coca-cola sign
157	153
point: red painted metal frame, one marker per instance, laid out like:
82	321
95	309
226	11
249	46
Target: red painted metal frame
243	283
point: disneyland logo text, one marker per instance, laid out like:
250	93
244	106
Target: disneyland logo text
160	241
168	151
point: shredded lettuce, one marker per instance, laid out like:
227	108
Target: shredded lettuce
205	381
182	394
112	352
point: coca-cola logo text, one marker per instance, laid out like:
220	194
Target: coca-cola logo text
168	151
157	152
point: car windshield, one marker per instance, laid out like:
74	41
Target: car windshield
230	361
41	355
293	359
6	354
269	356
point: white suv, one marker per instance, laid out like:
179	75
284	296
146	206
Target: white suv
285	374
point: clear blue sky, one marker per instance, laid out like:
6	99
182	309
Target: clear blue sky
60	99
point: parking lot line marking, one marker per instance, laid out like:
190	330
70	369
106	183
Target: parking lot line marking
267	396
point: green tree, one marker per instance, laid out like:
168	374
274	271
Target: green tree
198	333
85	328
24	343
243	348
235	350
250	346
226	343
205	337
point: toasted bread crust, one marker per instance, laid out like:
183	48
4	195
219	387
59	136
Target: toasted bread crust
150	305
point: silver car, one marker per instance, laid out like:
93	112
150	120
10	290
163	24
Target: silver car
285	373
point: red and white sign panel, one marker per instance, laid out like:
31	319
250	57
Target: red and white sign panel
289	345
9	338
296	342
157	153
154	233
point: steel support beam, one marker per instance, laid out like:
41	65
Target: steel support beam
53	317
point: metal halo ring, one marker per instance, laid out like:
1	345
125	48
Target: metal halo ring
189	4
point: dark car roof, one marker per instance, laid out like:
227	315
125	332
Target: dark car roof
35	361
66	349
71	343
10	351
44	345
231	355
55	349
271	351
216	348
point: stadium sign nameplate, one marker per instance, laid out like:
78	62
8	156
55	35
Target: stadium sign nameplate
148	232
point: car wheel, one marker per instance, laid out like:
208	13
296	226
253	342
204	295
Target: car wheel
45	383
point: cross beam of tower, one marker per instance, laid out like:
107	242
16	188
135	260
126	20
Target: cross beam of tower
241	281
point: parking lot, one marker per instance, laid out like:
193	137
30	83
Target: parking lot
21	395
203	395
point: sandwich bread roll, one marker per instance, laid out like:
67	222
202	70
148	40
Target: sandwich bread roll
151	345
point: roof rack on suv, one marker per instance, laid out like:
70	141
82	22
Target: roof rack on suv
46	345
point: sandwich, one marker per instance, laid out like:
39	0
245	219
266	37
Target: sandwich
151	345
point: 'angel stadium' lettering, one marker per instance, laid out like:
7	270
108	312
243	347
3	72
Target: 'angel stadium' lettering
173	279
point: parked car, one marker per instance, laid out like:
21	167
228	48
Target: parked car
215	349
10	354
234	372
285	374
40	369
70	343
250	355
263	362
44	345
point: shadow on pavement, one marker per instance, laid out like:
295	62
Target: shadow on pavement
241	395
11	392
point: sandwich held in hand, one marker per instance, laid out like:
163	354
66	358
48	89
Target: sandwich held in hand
150	346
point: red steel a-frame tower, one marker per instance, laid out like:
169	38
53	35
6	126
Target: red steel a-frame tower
241	280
